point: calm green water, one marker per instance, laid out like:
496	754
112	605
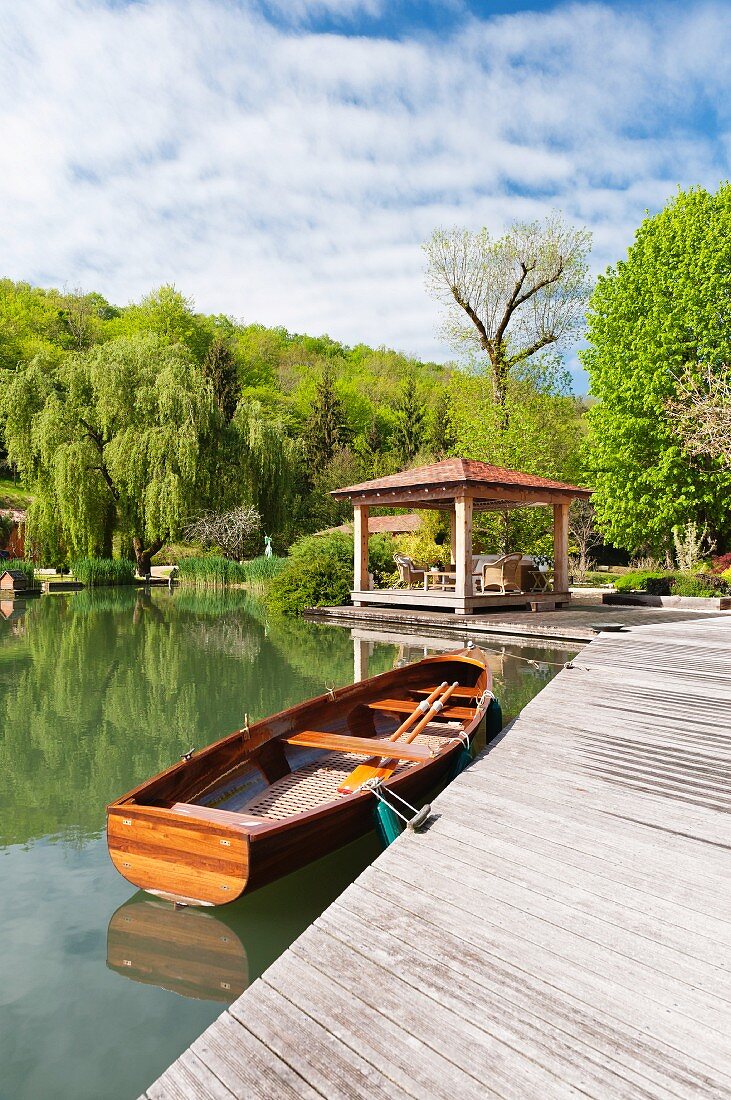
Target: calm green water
101	987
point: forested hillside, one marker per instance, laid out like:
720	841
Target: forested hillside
130	421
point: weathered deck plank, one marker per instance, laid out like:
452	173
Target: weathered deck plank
562	928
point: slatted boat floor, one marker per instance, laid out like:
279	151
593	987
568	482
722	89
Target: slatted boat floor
561	930
317	783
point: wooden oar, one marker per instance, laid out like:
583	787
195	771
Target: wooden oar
385	767
346	787
420	709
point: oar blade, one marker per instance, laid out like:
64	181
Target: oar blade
364	772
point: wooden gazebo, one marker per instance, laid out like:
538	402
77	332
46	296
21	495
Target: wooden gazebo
461	487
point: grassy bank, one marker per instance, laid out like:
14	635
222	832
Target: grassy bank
13	495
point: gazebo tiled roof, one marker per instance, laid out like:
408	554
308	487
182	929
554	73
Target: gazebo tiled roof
454	476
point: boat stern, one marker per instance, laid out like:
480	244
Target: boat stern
175	854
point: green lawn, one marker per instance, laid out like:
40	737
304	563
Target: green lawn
12	495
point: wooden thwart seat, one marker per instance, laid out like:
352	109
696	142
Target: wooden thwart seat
458	693
210	813
405	706
362	746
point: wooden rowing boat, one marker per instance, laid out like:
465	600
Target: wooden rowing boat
265	800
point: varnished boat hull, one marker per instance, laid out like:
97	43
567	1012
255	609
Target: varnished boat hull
197	862
192	853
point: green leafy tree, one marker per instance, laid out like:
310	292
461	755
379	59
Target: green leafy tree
169	315
441	433
543	436
326	429
657	320
410	419
111	438
220	368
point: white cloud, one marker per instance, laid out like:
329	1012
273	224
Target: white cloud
289	177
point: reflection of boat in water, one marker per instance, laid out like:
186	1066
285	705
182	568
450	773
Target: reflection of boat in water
188	951
276	795
214	954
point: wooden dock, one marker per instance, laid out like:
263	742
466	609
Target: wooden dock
562	929
579	623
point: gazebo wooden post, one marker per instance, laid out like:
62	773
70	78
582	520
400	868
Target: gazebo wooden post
560	547
360	552
453	536
463	555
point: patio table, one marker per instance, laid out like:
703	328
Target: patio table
441	579
540	582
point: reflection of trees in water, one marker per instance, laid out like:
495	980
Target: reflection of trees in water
119	685
106	688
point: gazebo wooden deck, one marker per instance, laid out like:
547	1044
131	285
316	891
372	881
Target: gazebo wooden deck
461	486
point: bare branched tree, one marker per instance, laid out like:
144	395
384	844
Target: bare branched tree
237	532
583	535
511	296
79	313
701	412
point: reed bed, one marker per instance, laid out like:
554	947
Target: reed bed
103	571
260	571
211	572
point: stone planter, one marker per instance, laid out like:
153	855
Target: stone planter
690	603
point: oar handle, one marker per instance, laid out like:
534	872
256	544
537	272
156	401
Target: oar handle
420	709
435	708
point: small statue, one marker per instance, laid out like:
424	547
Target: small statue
268	552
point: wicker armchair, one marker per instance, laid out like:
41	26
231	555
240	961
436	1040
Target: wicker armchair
409	573
503	574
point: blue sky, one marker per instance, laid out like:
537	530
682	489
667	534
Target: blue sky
283	160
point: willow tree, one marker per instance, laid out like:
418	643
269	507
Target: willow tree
269	463
111	438
509	297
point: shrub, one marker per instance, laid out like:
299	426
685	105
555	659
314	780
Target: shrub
701	584
319	571
97	571
720	564
691	544
174	552
598	580
381	549
692	584
421	547
636	580
213	571
675	584
647	565
659	586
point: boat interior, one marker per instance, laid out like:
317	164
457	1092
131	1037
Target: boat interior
264	775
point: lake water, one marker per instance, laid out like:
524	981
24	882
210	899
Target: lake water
102	986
